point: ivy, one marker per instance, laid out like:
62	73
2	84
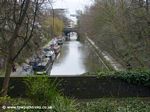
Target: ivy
138	77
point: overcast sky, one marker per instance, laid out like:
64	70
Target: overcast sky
72	5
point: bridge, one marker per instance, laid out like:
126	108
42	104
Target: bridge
68	30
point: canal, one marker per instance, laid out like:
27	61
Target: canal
76	58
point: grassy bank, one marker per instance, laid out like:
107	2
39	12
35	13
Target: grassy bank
116	105
94	105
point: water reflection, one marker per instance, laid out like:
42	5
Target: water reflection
75	58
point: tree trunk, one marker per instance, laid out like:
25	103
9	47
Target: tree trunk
11	43
7	77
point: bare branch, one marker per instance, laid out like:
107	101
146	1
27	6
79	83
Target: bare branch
14	11
31	34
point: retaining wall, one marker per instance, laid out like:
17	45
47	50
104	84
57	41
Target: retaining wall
85	87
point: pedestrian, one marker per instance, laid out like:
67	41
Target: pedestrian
13	68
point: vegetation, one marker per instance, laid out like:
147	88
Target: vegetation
96	105
46	94
115	105
41	94
137	77
121	28
25	26
58	25
18	26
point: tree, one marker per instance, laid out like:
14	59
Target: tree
52	24
120	27
18	26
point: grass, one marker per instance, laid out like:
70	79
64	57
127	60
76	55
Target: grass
62	104
116	105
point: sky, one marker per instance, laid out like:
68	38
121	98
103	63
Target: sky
72	5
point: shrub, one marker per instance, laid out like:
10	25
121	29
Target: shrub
63	104
138	77
8	101
44	92
115	105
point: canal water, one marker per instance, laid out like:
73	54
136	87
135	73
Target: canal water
76	58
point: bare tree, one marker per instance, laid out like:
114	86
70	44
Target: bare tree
17	23
120	27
